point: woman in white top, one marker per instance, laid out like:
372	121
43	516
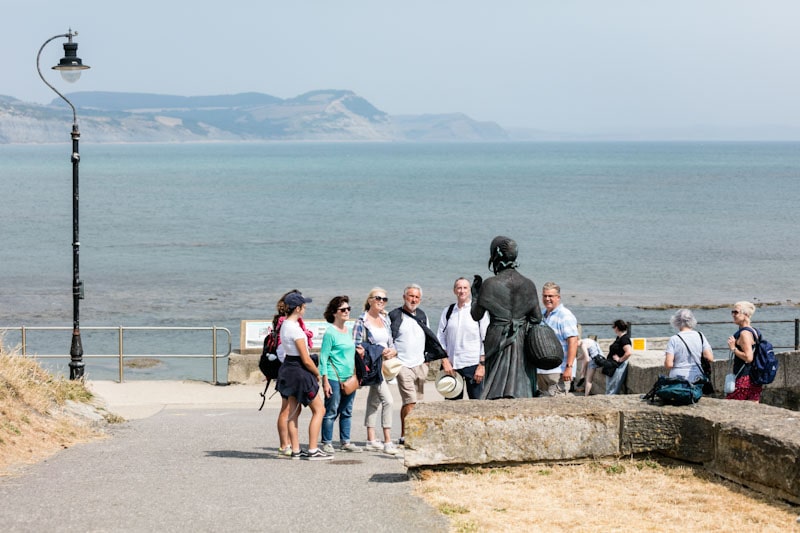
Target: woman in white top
299	380
373	327
588	349
683	353
285	449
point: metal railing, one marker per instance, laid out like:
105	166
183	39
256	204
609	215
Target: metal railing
121	355
796	322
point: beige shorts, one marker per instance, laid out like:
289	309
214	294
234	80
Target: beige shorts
551	385
411	383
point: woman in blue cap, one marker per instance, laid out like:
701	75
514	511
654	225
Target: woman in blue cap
299	379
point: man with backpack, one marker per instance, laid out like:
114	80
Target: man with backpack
462	338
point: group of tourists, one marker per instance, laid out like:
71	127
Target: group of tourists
480	342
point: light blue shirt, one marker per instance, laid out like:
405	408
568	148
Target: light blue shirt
564	323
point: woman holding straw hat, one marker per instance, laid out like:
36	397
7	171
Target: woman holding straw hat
374	330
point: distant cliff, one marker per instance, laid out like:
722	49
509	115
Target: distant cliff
332	115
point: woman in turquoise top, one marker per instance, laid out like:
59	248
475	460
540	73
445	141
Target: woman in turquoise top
337	363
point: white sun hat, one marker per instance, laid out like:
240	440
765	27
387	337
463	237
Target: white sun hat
450	386
390	368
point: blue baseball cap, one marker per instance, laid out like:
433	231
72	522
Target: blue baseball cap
295	299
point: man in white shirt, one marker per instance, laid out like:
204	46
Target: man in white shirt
462	338
409	338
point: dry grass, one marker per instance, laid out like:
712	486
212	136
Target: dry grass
625	495
33	421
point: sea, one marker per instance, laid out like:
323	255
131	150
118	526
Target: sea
211	234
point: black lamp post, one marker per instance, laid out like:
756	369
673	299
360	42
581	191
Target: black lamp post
70	67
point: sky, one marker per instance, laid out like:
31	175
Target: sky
581	66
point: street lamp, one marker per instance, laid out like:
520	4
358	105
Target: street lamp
70	67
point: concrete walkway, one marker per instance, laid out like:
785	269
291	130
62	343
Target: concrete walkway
198	457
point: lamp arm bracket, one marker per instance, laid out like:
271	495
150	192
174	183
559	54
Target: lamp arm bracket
38	68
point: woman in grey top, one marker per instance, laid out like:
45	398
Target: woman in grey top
684	350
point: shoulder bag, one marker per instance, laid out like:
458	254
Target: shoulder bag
708	387
348	386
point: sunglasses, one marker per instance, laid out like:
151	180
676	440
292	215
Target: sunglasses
734	312
380	298
344	309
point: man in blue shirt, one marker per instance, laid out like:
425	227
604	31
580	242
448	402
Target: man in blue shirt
556	382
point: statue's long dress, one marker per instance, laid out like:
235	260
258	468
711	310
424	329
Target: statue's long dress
512	302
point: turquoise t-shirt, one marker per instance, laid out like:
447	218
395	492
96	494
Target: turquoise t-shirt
338	350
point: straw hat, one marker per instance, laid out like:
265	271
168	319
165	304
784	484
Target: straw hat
390	368
450	386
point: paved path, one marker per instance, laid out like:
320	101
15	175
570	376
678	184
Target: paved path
198	457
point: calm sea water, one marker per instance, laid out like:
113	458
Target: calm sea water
210	234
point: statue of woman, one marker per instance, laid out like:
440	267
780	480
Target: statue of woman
512	302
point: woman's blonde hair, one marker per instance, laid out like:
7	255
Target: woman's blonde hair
746	307
373	292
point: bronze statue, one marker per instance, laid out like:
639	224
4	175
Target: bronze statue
513	303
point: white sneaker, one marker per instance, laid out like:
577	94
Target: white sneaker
350	447
374	446
390	448
328	448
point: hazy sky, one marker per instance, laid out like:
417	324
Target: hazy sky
561	65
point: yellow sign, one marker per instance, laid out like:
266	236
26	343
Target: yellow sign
640	345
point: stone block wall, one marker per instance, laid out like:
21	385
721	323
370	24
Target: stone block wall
753	444
243	368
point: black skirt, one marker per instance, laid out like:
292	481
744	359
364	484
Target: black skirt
295	380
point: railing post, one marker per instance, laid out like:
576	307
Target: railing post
214	354
796	334
23	336
121	352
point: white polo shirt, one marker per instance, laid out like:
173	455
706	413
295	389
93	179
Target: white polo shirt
462	337
410	343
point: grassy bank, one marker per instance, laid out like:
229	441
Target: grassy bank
34	419
640	494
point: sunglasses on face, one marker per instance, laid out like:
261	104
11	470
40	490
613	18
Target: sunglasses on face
380	298
734	312
344	309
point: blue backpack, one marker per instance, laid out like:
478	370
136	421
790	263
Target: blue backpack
765	364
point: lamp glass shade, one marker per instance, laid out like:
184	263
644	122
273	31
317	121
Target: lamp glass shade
70	76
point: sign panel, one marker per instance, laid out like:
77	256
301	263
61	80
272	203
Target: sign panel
252	333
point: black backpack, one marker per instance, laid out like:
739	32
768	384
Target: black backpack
447	316
268	363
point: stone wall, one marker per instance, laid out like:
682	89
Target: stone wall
243	368
753	444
